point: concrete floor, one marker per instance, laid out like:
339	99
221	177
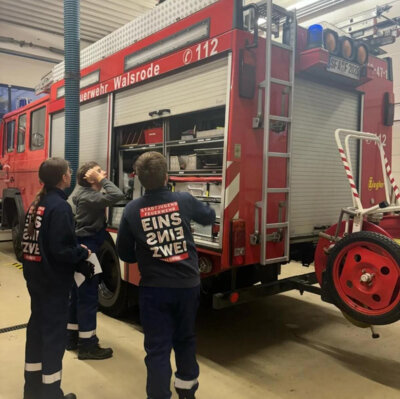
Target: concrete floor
286	346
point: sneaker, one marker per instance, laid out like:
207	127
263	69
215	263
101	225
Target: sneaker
187	393
94	352
72	345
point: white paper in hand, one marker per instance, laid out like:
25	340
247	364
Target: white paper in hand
80	278
93	259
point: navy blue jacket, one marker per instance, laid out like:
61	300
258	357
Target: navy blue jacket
155	232
52	253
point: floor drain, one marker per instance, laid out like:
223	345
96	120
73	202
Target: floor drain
13	328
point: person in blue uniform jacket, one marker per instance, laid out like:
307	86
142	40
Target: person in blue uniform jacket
155	232
51	255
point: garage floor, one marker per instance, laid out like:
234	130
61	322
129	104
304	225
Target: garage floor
286	346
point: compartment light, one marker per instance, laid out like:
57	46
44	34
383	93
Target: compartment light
172	43
89	79
60	92
85	81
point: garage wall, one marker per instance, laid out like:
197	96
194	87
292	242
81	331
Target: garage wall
21	71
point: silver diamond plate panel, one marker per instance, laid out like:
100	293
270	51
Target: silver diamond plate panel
156	19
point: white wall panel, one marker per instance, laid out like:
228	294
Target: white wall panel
21	71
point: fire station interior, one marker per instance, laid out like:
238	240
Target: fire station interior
272	330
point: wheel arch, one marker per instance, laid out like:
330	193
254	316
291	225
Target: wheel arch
12	207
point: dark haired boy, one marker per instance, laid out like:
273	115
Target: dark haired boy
93	195
155	232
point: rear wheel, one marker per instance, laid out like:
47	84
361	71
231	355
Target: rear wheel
363	277
113	291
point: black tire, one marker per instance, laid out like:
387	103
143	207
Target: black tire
353	307
16	232
113	291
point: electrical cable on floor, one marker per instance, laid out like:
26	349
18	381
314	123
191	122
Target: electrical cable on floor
13	328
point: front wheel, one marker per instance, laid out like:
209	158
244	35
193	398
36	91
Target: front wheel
113	291
363	277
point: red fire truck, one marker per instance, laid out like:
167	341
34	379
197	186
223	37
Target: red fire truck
244	104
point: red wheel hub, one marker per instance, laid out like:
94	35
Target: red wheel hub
321	257
366	278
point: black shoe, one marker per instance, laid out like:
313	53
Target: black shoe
72	345
70	396
94	352
187	393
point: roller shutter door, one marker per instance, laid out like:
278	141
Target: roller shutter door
57	140
93	142
319	187
193	89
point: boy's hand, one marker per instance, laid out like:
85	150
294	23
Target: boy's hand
87	249
86	268
95	175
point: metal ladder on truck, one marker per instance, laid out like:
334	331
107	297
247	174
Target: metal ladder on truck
278	14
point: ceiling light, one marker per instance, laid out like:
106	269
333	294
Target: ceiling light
300	4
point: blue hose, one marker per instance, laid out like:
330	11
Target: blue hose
72	78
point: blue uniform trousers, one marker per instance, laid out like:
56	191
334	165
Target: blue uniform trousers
84	300
168	318
82	321
45	343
